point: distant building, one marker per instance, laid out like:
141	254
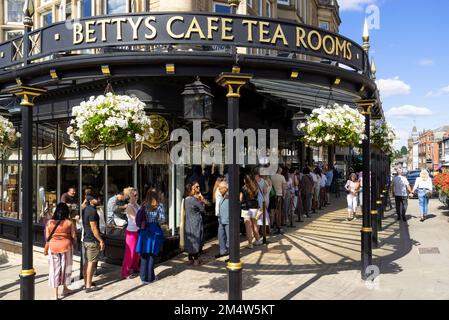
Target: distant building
412	155
429	147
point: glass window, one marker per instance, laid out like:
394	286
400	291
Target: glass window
46	191
268	8
324	25
116	6
86	8
284	2
14	11
47	19
119	178
221	8
10	192
65	10
13	34
260	8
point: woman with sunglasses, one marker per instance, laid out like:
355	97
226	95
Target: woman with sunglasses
193	222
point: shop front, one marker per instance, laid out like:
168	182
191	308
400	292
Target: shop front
154	57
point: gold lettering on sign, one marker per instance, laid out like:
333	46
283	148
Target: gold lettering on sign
340	47
119	22
90	31
151	28
330	39
78	36
279	35
135	26
348	51
250	24
300	36
170	23
211	27
225	29
318	36
194	28
264	31
103	23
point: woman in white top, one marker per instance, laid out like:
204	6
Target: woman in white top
352	187
131	258
424	187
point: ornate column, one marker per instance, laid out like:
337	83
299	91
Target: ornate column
367	231
233	81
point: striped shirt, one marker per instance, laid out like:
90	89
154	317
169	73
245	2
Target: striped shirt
156	216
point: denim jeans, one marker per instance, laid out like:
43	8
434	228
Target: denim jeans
147	268
423	202
223	238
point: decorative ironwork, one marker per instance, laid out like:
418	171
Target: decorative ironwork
17	49
160	134
35	44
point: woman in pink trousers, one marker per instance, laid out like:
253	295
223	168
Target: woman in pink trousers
131	258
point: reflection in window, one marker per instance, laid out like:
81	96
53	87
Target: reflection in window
47	19
46	192
15	10
13	34
116	6
10	192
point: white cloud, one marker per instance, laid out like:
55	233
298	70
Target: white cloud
441	92
354	5
426	62
408	111
392	87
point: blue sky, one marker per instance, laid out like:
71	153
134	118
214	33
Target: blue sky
411	52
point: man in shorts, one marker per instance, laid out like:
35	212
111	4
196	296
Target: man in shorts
92	242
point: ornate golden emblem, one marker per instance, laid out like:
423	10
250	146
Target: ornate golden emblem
160	133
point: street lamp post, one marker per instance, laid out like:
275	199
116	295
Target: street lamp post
233	81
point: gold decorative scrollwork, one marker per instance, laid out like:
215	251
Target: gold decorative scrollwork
161	132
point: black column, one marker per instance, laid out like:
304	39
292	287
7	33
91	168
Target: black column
27	275
235	272
374	195
366	232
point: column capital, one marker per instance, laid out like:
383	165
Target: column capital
233	81
27	94
366	106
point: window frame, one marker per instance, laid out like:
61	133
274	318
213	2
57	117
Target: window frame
6	13
320	22
105	7
215	4
43	15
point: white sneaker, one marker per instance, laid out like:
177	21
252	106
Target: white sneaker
258	242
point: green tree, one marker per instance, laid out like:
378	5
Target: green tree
404	150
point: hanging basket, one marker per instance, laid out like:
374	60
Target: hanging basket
109	119
338	125
383	136
8	134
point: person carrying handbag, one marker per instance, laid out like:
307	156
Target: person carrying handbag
59	244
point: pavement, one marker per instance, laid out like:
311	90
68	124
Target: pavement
319	259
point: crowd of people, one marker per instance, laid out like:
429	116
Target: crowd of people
276	198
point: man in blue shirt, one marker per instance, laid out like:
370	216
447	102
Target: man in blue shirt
223	220
329	173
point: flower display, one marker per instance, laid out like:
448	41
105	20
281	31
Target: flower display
8	134
441	182
383	136
109	119
338	125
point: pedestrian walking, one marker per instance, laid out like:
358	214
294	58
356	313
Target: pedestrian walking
262	198
424	187
192	222
399	187
323	183
250	210
223	219
131	259
92	242
59	244
151	237
352	187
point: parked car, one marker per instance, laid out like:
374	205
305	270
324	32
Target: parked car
412	176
